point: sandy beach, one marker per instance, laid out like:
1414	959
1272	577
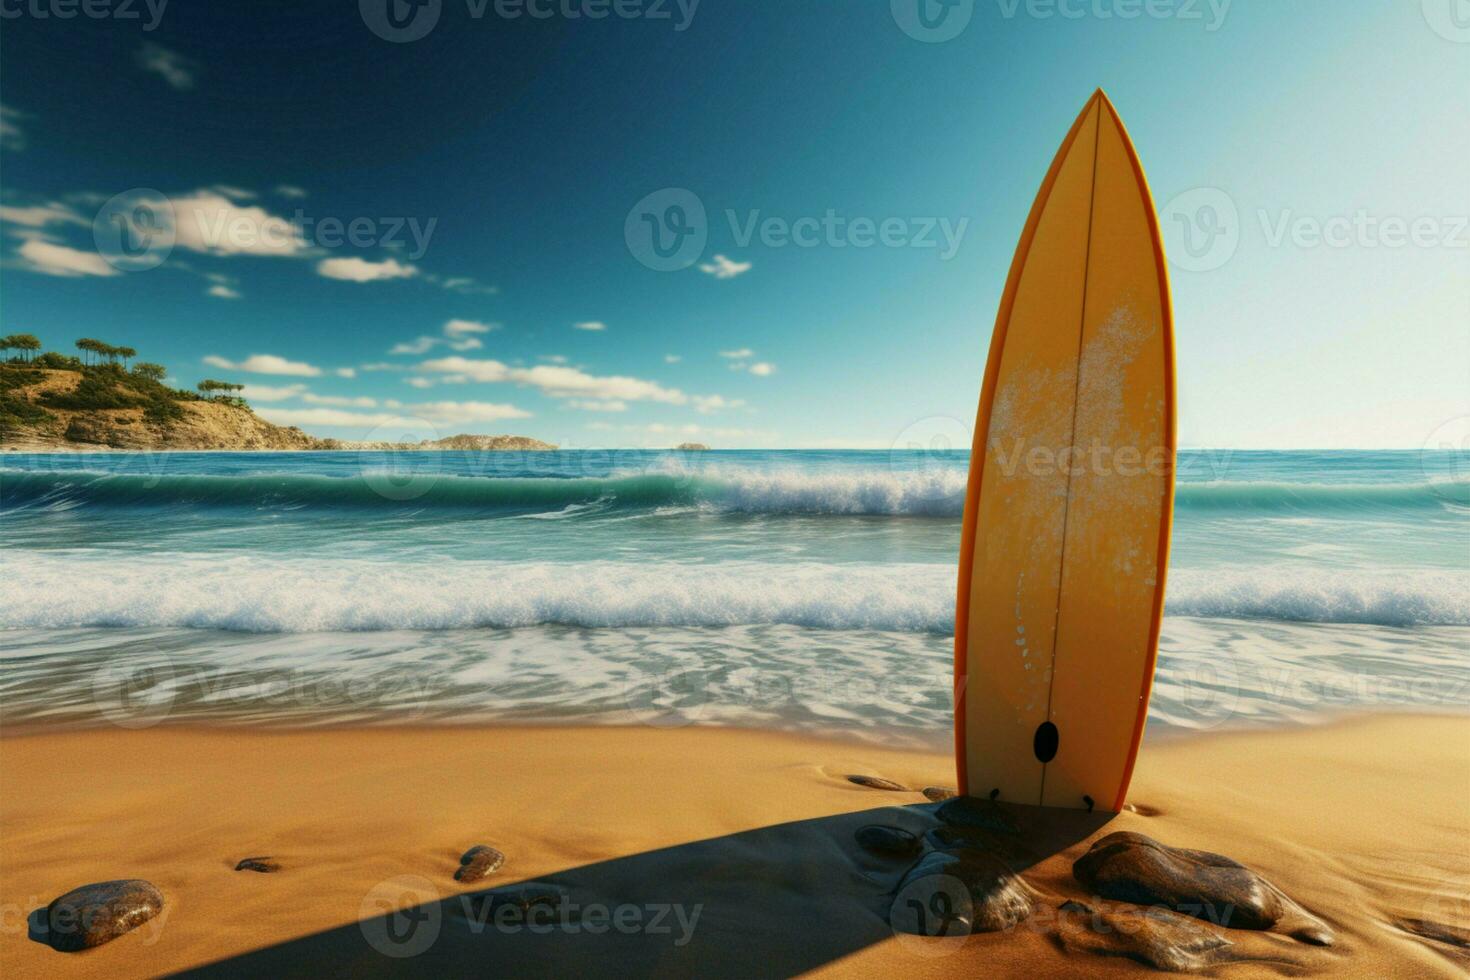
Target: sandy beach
725	852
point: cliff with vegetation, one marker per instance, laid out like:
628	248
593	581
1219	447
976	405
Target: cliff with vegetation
51	401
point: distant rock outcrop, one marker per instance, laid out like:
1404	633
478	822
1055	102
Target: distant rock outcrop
462	442
692	447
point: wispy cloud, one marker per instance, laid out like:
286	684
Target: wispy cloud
12	137
272	393
355	269
345	372
340	401
291	191
559	381
672	358
42	215
52	259
594	405
741	361
437	413
462	328
457	335
708	404
265	364
595	326
171	66
722	268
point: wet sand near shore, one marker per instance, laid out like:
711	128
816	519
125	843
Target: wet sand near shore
698	851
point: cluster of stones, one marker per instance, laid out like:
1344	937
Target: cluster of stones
98	913
1150	902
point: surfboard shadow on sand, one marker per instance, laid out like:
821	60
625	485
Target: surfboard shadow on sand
772	902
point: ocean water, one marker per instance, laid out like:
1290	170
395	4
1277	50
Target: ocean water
803	590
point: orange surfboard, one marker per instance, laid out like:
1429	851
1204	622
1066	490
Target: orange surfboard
1071	493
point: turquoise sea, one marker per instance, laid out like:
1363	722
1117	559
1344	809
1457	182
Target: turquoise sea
806	590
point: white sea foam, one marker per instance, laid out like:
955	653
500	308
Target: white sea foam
259	594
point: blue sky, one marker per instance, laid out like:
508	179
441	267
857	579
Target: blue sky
862	191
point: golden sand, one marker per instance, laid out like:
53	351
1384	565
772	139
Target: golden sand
748	834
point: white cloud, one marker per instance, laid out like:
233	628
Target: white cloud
723	268
458	335
672	358
762	369
559	381
171	66
59	260
419	382
209	223
288	190
598	406
554	358
41	215
340	401
355	269
265	364
596	326
324	416
738	355
419	345
345	372
464	285
705	404
458	328
451	413
234	193
11	135
223	292
438	413
272	393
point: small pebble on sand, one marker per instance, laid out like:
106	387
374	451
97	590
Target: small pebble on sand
882	839
877	782
98	913
263	865
479	862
